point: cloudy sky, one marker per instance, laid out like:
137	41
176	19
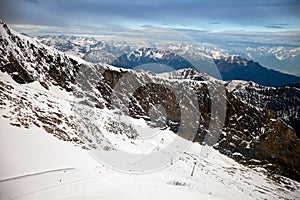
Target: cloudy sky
237	19
213	15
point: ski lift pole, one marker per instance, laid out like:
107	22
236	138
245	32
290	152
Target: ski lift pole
193	169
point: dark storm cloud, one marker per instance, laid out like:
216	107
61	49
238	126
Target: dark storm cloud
147	26
278	25
275	26
283	24
215	23
32	1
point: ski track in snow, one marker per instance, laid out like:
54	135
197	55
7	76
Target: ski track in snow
37	173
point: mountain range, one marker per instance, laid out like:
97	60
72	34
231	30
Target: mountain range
280	58
230	66
104	107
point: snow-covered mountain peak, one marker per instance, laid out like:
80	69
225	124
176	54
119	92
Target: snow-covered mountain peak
236	59
187	73
238	84
27	60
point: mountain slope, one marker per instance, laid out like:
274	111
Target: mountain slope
79	103
97	84
28	61
253	133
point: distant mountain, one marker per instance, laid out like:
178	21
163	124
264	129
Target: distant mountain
144	56
72	45
231	67
238	68
284	59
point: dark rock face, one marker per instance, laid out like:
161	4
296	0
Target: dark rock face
146	96
106	85
250	131
281	146
152	94
19	74
284	101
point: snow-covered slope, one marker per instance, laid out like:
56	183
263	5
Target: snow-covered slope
35	165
